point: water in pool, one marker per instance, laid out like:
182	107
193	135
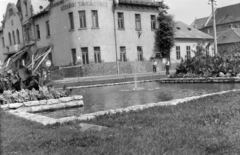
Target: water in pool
120	96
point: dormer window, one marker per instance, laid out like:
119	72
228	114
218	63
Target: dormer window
10	12
189	28
178	28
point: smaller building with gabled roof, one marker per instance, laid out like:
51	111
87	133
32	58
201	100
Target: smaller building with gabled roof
229	41
187	39
226	17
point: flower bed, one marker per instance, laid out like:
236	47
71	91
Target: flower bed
36	101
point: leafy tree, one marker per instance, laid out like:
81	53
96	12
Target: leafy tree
164	40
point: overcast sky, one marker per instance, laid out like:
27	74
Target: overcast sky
183	10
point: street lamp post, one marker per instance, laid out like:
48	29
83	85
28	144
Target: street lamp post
214	24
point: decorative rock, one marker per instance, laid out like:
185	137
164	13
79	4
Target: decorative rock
55	106
31	103
65	99
42	102
15	105
52	101
4	107
90	127
221	74
67	119
79	97
228	75
73	104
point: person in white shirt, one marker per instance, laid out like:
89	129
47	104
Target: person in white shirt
167	66
154	66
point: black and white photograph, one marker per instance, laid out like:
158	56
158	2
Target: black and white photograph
119	77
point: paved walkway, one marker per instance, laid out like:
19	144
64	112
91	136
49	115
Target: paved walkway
160	74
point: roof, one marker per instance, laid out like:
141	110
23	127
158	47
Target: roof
139	2
232	35
39	5
199	23
14	8
183	30
227	14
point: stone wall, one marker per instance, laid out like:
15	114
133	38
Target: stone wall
110	68
107	68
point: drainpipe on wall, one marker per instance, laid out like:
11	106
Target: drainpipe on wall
115	36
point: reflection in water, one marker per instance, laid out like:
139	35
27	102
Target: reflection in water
112	97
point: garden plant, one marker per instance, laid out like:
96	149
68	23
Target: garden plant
221	64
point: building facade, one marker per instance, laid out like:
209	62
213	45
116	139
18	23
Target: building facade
226	17
89	32
227	27
229	41
187	40
104	36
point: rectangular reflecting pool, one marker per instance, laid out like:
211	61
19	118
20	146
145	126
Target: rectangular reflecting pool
121	96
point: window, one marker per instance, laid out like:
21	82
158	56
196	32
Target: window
74	56
3	42
18	37
26	7
120	20
140	53
14	39
197	48
71	20
27	32
10	12
10	38
153	22
50	57
188	52
178	52
97	55
123	57
38	31
94	18
85	55
138	21
82	19
48	29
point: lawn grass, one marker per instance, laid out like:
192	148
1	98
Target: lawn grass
209	125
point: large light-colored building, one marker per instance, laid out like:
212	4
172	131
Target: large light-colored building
88	31
105	36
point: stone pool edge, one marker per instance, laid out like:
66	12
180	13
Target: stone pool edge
170	80
44	120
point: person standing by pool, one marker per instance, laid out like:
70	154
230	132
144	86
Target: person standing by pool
154	66
167	66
